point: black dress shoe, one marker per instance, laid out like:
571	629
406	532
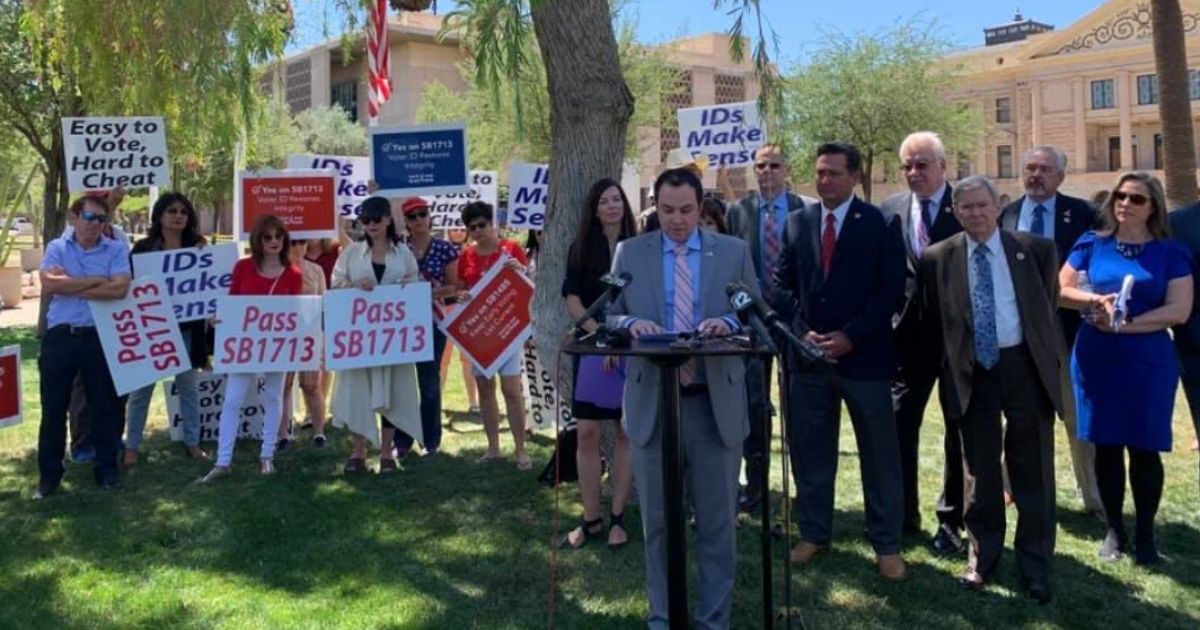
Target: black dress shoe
45	489
1038	592
971	581
912	528
947	542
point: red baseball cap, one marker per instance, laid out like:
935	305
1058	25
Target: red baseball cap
412	204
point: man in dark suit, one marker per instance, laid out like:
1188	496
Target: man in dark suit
838	280
1043	211
992	294
1185	228
759	219
926	218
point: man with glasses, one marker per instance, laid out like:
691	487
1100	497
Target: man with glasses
759	219
926	218
86	265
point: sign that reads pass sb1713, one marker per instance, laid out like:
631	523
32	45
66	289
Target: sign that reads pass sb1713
109	152
388	325
259	333
415	160
140	336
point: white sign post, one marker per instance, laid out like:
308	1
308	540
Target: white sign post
10	386
528	191
140	336
212	396
259	333
194	277
445	211
389	325
109	152
728	134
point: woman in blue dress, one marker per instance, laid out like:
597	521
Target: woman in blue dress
1125	376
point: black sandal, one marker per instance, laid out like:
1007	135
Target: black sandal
589	529
354	465
617	520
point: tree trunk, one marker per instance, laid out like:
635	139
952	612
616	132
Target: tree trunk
590	107
55	201
868	172
1174	103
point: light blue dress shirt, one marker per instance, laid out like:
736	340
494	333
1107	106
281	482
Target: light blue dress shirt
1025	219
108	258
1008	318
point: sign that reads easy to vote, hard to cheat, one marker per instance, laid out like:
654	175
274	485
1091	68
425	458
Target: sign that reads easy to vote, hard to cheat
259	333
210	389
302	199
728	134
388	325
105	153
445	211
528	191
496	321
140	335
541	393
194	276
416	160
353	173
10	386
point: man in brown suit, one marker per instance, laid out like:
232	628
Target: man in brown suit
993	293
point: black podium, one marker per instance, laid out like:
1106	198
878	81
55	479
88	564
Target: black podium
668	355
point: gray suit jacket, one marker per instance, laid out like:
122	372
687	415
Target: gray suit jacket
723	259
741	218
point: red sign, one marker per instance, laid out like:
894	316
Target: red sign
303	200
10	386
494	324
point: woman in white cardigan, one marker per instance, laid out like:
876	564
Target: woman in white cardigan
390	391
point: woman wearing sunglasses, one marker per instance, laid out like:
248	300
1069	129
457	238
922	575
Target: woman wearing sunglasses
310	382
476	261
173	225
389	390
268	271
1125	373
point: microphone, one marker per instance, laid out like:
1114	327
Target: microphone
743	305
808	350
1121	305
616	283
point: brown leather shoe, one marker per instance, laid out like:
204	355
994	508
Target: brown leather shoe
806	551
891	566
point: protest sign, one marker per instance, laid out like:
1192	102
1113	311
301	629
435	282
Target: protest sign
212	395
109	152
445	211
495	322
415	160
528	191
260	333
302	199
389	325
728	134
541	393
139	335
353	173
10	386
194	276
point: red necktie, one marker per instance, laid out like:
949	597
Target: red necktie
828	242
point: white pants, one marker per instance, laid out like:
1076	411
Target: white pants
236	387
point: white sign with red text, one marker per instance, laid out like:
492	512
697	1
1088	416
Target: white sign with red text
259	333
211	390
140	336
388	325
10	386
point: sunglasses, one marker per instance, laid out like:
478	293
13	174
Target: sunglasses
371	220
915	166
413	216
273	236
93	216
478	226
774	166
1133	198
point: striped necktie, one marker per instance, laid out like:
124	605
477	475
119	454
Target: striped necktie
683	307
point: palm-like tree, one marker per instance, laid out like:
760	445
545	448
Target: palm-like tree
1174	102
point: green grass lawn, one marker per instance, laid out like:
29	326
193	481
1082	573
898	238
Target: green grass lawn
448	543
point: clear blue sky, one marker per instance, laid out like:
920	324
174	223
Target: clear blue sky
799	23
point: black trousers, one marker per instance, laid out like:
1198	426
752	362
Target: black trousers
912	385
1011	387
758	393
65	354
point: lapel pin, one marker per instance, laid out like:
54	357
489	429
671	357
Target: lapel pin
857	215
1020	255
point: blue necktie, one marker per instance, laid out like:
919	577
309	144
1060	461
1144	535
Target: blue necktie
983	307
1039	221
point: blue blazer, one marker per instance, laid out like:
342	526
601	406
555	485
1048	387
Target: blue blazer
859	294
1185	228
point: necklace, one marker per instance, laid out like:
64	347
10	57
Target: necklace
1130	250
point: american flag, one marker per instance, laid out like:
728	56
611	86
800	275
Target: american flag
377	60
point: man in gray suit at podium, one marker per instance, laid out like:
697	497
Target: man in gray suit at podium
679	279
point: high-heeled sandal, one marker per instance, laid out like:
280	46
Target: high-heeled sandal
588	529
617	520
216	473
268	467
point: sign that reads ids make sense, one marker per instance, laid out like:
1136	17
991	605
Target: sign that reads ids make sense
445	211
728	134
194	276
528	190
302	199
415	160
109	152
353	173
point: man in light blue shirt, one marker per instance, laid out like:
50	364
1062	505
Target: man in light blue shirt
83	266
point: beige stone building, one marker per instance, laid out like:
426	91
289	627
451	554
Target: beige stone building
325	75
1088	89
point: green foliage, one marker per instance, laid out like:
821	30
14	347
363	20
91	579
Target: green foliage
328	131
13	203
872	91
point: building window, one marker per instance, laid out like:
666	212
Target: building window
1004	110
964	166
345	95
1158	151
1194	84
1147	86
1004	161
1103	96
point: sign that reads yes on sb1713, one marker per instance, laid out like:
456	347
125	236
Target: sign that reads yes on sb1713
353	173
728	134
259	333
416	160
109	152
140	336
491	327
194	276
528	191
302	199
388	325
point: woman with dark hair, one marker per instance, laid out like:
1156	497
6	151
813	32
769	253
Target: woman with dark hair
268	271
310	382
712	216
474	263
1125	373
607	220
390	390
173	225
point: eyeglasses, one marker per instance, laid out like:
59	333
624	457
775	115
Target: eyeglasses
762	166
919	165
479	225
1133	198
93	216
413	216
273	236
372	220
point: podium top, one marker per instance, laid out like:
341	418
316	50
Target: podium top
660	347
